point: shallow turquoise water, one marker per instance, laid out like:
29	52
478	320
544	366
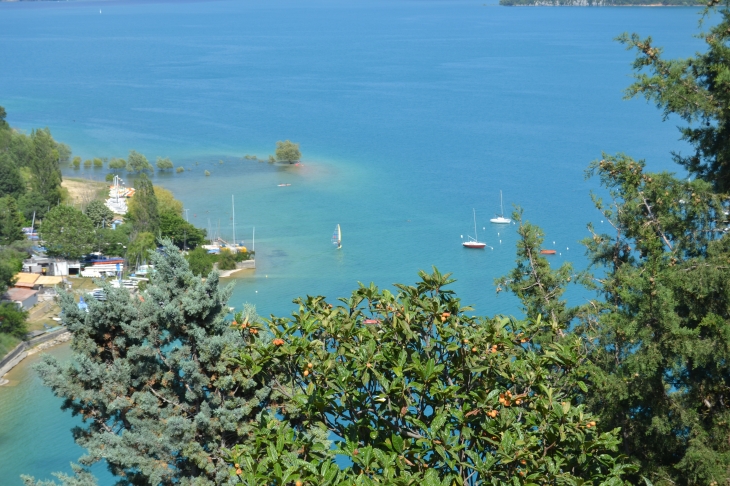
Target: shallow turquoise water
409	115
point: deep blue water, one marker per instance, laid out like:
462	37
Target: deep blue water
409	115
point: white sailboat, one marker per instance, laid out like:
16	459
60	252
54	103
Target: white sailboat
500	219
337	237
473	242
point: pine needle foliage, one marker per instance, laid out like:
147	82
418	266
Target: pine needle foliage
697	89
537	285
660	336
149	379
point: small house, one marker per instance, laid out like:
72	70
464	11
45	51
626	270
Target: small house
24	298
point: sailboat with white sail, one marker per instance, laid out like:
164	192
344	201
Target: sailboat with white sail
337	237
473	242
500	219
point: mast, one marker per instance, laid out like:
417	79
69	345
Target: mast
233	205
253	239
476	236
501	206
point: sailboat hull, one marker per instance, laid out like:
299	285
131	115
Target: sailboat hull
500	220
474	244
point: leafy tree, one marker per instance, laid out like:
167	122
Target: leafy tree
697	89
11	262
76	162
271	159
658	335
3	124
98	163
33	203
164	163
140	247
67	232
99	214
11	181
137	162
207	173
158	398
13	320
287	151
226	260
117	164
43	163
113	241
166	202
200	261
11	221
87	163
182	233
415	390
143	209
109	177
180	169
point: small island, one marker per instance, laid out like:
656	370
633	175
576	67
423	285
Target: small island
600	3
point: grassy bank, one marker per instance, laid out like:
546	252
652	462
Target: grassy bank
7	343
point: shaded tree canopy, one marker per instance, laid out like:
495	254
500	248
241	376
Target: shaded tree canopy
11	221
11	181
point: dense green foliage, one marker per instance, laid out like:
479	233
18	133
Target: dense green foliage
414	389
67	232
183	234
200	261
149	378
136	162
13	320
143	211
287	151
11	221
99	214
697	89
164	163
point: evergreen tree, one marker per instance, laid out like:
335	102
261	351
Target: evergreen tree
659	343
150	378
11	221
44	166
697	89
143	208
537	285
11	182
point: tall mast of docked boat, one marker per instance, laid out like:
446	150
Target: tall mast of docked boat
233	206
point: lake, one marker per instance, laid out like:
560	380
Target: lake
410	115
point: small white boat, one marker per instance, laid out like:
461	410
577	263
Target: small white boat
473	242
337	237
500	219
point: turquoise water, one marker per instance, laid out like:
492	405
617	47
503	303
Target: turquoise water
409	115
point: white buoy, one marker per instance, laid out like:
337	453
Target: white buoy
462	237
601	221
497	234
553	242
566	248
257	291
500	242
